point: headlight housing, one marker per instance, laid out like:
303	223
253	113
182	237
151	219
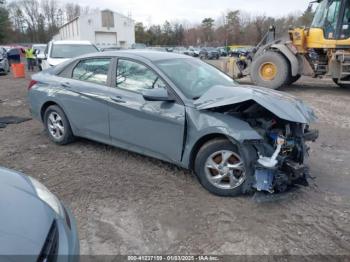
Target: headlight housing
46	196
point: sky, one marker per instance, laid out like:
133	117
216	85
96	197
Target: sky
193	11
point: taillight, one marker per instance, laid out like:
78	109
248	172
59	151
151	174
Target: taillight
32	82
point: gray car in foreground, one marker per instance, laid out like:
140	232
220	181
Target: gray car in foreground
34	225
179	109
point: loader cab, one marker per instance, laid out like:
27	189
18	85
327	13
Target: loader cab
333	17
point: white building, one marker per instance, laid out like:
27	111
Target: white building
103	28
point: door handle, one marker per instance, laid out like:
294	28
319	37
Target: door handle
66	84
117	99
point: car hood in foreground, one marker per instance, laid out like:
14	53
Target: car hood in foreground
283	105
25	220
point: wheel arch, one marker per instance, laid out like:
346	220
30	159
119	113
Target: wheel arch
46	106
203	140
49	103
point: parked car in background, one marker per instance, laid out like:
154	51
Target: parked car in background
180	50
39	50
193	51
209	53
111	48
240	51
181	110
6	47
169	49
60	51
14	55
138	46
4	63
34	224
158	48
222	51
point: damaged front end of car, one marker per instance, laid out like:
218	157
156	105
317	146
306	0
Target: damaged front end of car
283	123
282	153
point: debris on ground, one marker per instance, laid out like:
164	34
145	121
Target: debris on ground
6	120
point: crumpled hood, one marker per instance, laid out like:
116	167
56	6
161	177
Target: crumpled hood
283	105
25	220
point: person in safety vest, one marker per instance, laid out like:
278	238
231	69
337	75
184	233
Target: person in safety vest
29	53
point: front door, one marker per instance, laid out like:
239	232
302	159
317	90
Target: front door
154	128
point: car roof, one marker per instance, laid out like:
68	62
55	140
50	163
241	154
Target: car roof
71	42
150	55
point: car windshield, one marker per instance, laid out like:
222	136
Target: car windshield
69	51
193	77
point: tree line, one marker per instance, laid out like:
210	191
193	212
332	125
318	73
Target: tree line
234	27
34	21
37	21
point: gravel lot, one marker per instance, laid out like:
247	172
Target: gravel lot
126	203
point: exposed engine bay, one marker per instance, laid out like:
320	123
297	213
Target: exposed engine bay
282	153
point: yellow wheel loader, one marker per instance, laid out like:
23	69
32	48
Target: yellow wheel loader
323	50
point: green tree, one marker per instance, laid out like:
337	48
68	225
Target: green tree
233	26
167	34
207	26
179	34
140	34
5	24
307	17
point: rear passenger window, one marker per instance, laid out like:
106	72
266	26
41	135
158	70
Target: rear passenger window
92	70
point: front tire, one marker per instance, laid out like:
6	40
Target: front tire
57	126
270	70
221	169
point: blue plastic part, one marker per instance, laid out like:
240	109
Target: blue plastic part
273	136
264	179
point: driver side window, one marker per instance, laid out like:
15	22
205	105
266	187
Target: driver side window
134	76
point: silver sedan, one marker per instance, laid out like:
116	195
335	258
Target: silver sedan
178	109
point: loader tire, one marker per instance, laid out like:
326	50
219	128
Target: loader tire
341	85
292	79
270	70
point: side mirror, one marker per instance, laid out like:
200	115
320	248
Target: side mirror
157	94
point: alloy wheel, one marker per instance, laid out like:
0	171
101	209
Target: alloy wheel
55	125
225	169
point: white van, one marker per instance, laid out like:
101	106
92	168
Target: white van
60	51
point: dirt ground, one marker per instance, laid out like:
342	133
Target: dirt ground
126	203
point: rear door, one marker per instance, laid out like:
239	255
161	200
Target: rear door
84	97
154	128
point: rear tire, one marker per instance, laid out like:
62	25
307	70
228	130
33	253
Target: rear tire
230	185
341	85
57	126
270	70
